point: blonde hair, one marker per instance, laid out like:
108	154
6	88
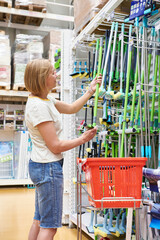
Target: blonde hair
35	75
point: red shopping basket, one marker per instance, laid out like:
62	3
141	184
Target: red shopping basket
117	180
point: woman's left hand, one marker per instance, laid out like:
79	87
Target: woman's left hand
95	81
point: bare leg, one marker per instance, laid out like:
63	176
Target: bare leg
46	233
34	231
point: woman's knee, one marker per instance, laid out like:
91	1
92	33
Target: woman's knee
36	222
48	231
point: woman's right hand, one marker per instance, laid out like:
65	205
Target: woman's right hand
88	135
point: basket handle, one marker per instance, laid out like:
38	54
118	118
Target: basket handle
84	166
79	160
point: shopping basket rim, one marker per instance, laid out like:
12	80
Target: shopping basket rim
116	158
128	161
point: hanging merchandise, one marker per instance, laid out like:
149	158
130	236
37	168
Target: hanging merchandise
57	59
127	106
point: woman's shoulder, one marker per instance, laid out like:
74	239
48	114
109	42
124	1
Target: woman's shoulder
34	103
52	99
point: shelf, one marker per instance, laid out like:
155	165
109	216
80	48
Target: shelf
8	182
27	13
85	222
24	94
11	93
27	27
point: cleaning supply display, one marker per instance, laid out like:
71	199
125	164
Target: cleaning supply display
126	111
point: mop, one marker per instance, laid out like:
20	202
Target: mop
134	93
102	230
120	94
116	79
104	78
85	74
122	225
97	85
102	90
135	81
75	72
109	94
90	150
127	89
153	175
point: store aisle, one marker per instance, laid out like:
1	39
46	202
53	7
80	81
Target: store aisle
16	212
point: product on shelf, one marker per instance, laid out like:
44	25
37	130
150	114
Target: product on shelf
5	17
27	48
31	5
30	2
5	59
57	59
90	8
12	117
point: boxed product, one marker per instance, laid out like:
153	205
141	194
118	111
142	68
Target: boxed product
90	8
21	57
27	48
30	2
39	2
5	75
35	47
5	50
19	70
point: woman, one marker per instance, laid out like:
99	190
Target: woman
45	167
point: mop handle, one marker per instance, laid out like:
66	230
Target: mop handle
97	85
113	56
122	50
159	113
127	89
136	78
107	55
96	58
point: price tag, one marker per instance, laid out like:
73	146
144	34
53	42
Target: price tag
157	26
110	16
131	42
138	86
120	36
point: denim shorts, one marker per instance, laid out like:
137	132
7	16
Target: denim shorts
48	181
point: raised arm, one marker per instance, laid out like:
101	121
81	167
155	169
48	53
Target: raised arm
63	107
48	132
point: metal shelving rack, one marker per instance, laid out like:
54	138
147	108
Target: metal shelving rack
103	14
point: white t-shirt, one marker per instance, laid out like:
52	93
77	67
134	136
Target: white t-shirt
37	111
